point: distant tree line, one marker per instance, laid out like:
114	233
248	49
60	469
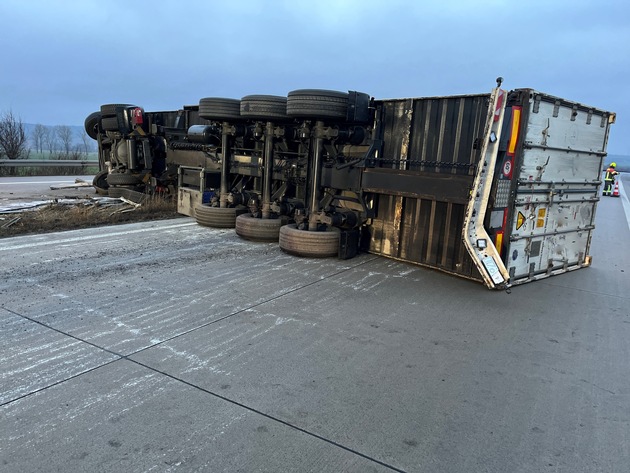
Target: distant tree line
57	141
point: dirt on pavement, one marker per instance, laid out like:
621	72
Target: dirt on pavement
59	217
72	203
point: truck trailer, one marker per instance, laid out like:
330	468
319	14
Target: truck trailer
498	187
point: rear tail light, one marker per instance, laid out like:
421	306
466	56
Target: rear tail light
498	241
508	167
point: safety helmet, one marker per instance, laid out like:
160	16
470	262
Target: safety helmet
613	165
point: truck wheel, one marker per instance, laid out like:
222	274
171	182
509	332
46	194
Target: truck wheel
217	217
100	182
212	108
91	124
305	243
111	109
264	107
314	103
258	229
123	179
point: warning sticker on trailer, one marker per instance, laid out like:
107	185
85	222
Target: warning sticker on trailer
541	218
507	168
520	220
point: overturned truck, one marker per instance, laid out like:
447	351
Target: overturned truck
500	188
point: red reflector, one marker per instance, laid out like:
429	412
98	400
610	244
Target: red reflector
497	108
136	117
498	241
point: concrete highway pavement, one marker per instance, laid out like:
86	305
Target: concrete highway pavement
166	346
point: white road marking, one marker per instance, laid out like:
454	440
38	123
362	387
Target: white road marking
34	182
625	202
92	237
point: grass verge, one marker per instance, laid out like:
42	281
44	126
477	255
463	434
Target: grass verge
58	217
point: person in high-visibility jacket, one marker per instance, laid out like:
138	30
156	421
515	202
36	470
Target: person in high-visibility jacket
609	178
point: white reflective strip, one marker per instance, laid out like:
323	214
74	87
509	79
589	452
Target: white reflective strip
54	241
493	269
36	182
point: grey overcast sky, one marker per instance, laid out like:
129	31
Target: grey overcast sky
62	59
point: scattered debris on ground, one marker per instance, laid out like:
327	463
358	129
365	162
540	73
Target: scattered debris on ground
11	222
74	213
77	183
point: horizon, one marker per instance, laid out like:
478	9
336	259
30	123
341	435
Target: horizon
82	128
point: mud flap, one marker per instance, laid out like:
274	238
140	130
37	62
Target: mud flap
348	243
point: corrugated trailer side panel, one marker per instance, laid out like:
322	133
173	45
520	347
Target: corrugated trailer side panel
422	179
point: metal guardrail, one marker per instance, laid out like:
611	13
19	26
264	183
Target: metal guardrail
46	163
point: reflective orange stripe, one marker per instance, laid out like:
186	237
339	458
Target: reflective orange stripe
499	242
516	121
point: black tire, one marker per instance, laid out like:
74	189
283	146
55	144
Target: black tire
100	180
123	179
264	107
311	244
110	109
314	103
101	191
91	124
110	124
258	229
100	183
217	217
212	108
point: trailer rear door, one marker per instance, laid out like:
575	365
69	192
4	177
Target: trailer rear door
549	177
